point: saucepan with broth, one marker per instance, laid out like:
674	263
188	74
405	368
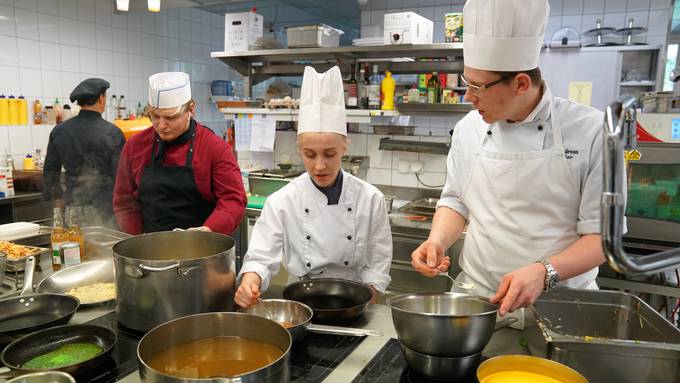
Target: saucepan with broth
216	347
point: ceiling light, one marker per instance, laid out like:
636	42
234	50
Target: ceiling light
154	5
122	5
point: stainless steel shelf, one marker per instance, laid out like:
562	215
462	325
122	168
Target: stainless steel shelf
284	114
292	61
414	146
413	108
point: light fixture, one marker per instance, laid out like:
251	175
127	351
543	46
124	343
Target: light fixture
122	5
154	5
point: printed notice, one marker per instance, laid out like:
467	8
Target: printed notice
581	92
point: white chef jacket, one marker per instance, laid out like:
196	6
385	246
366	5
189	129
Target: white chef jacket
297	228
582	136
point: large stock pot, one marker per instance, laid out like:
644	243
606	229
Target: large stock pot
166	275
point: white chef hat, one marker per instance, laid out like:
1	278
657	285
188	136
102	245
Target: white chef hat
169	89
322	102
504	35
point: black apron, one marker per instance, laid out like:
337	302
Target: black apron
168	195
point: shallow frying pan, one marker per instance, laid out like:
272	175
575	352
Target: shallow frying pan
333	300
30	312
41	342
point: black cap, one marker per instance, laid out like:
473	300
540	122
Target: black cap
90	88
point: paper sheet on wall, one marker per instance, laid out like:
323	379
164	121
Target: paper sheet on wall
581	92
242	131
262	134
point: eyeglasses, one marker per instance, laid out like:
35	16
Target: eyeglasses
479	89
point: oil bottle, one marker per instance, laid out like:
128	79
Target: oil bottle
59	236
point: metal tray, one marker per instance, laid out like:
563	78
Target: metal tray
607	336
400	130
423	206
20	263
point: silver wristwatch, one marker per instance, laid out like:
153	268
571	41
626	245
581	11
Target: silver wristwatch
552	279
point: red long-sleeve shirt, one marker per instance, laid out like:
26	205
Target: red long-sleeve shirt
216	172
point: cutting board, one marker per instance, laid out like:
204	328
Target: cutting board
256	201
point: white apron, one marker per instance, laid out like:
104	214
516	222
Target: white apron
523	207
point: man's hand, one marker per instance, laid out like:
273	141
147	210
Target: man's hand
248	293
520	288
429	260
200	228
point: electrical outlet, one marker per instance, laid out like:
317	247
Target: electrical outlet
417	167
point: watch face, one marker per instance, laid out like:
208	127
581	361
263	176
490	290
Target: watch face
553	283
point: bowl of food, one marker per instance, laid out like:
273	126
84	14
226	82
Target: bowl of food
294	316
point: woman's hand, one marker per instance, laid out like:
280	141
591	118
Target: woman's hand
248	293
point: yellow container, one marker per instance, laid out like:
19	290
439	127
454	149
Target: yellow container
132	127
387	87
23	111
4	110
29	164
453	27
13	111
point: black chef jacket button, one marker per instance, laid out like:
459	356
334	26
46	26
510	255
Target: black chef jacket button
349	209
349	237
540	127
309	264
488	132
309	237
306	210
346	263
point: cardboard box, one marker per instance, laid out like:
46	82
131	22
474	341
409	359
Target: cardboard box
241	30
407	28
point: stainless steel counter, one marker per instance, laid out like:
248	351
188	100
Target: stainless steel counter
505	341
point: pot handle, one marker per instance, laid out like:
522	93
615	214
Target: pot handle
164	268
28	276
6	373
323	329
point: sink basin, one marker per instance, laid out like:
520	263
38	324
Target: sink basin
607	336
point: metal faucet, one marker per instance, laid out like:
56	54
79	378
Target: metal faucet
620	135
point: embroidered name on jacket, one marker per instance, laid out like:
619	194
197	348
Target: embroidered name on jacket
570	153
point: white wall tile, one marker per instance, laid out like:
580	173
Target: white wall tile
134	42
86	10
103	10
379	176
70	58
427	12
50	56
134	21
87	34
196	32
572	7
640	18
26	24
68	8
573	21
69	81
119	20
658	22
431	180
119	86
611	6
656	39
31	82
637	5
68	31
120	64
398	157
148	23
379	158
4	140
357	144
555	7
660	4
104	62
161	25
135	66
19	140
9	52
173	28
120	40
26	4
52	84
589	22
28	53
407	180
7	26
593	6
104	35
10	81
614	20
88	60
48	6
48	26
40	136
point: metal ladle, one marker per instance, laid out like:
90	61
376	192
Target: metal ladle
460	285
